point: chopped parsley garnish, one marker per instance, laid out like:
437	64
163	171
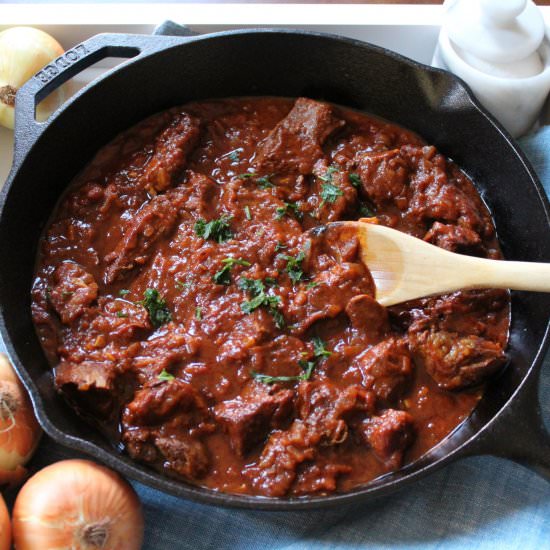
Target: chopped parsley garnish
312	284
247	212
181	285
165	376
159	314
294	266
235	155
306	366
264	183
217	230
121	314
198	313
223	277
328	174
355	180
288	207
366	211
280	246
257	287
123	292
329	193
319	349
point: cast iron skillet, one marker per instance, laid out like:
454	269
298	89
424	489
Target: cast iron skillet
164	72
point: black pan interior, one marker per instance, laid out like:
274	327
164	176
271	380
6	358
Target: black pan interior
347	72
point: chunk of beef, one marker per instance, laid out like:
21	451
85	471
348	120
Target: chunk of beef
386	369
279	356
184	455
295	143
331	261
90	385
247	419
332	193
174	400
455	238
120	320
438	192
163	424
74	291
319	478
423	185
368	316
384	177
388	435
204	195
455	361
464	312
325	413
334	288
172	146
154	221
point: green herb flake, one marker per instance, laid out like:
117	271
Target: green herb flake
306	366
198	313
256	287
159	314
366	211
247	212
121	314
319	349
355	180
312	284
235	155
280	246
182	285
264	183
327	177
294	266
223	277
123	292
247	175
289	207
165	376
329	193
216	230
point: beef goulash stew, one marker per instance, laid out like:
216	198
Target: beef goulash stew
192	317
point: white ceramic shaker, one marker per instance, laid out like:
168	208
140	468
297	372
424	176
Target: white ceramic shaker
501	49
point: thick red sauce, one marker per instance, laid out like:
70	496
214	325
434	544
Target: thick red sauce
191	314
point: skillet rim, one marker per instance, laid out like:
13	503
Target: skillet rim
145	475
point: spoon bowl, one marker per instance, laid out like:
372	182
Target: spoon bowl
406	268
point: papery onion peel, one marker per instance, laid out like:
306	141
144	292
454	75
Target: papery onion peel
5	526
78	505
19	430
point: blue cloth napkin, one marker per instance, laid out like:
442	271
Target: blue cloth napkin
480	502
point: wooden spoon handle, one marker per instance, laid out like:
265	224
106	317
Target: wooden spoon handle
503	274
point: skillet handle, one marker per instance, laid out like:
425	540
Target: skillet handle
519	432
72	62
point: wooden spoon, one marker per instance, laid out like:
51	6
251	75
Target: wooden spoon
405	268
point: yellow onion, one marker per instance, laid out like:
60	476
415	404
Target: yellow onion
78	505
5	526
23	52
19	430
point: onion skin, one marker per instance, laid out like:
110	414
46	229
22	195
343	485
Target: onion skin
19	430
23	52
5	526
78	505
